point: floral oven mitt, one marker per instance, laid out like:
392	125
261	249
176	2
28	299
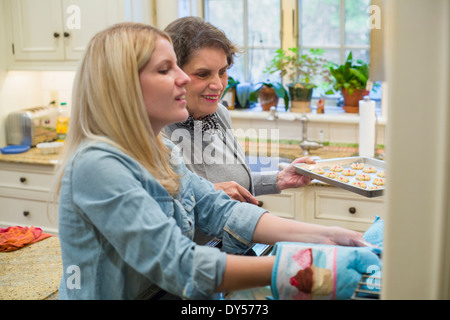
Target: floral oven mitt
304	271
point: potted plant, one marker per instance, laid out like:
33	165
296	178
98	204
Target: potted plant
268	94
351	79
229	94
304	71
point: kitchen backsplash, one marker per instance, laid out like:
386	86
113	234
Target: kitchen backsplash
26	89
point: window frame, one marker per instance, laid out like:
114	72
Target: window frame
342	46
290	34
246	47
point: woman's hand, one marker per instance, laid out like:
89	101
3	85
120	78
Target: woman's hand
271	229
236	192
289	178
343	237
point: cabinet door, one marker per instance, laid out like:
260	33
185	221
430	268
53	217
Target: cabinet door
37	30
84	18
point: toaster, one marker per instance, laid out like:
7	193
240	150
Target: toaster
31	126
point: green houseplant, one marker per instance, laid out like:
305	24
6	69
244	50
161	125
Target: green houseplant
304	72
351	78
229	94
268	93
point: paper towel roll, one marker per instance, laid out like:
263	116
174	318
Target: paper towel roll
367	128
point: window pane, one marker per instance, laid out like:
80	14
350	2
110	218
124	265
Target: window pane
264	23
259	60
227	15
333	55
320	22
184	8
361	54
237	70
356	17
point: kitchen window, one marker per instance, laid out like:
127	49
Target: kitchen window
255	26
260	27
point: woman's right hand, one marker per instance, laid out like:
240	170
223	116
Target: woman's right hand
236	192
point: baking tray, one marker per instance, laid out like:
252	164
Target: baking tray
305	169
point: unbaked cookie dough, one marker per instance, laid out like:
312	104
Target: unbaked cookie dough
318	170
360	184
381	174
378	181
363	177
348	172
369	170
331	175
343	179
357	166
336	169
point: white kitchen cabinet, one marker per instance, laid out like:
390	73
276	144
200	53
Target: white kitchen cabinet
326	205
53	34
283	204
25	196
338	207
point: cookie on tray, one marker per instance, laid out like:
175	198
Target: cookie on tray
336	169
343	179
369	170
317	170
360	184
331	175
381	174
357	166
363	177
348	172
378	181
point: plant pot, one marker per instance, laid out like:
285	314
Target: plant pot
267	98
229	99
300	98
351	101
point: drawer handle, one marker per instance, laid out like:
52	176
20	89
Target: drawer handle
352	210
23	179
26	213
56	35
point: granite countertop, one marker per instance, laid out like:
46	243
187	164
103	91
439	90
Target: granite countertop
32	156
31	273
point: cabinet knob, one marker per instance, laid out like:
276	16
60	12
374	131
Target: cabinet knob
56	35
26	213
66	34
23	179
352	210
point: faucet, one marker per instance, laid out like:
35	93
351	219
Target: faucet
307	145
273	114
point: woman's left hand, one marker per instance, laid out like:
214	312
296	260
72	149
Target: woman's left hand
289	178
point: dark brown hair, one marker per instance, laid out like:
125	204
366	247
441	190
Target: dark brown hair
190	34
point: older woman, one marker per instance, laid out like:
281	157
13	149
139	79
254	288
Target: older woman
209	147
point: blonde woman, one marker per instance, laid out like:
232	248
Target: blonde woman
128	206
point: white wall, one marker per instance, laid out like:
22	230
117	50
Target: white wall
167	11
416	260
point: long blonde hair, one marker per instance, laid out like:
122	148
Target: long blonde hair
107	103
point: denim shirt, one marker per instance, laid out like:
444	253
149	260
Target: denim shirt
121	232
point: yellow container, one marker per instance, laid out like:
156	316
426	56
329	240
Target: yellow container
62	122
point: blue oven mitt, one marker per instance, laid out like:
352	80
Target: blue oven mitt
304	271
375	234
